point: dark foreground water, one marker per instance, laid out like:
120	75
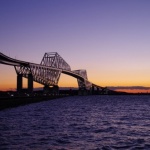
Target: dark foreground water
80	122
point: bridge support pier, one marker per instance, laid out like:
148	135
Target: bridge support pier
93	92
19	82
30	83
105	90
97	92
51	90
83	91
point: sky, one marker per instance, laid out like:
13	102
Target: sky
108	38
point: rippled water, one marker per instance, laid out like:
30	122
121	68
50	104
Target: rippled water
79	122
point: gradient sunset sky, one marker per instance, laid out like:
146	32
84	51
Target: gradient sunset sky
108	38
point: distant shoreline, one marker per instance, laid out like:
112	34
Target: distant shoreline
10	102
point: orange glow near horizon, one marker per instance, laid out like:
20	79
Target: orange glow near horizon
8	80
65	81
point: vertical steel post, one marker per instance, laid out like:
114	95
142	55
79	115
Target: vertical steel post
97	90
19	83
30	83
93	92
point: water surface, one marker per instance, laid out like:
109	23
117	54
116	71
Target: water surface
79	122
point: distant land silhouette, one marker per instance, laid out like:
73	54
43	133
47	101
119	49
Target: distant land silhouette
130	89
142	89
60	88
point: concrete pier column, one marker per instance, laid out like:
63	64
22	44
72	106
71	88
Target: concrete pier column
19	83
46	89
82	91
98	90
30	83
55	89
93	92
52	89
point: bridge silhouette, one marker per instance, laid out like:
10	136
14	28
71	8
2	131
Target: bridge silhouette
48	73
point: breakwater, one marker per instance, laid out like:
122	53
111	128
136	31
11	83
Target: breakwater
9	102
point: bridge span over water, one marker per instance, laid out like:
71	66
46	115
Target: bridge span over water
48	73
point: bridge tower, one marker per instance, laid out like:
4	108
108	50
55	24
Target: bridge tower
51	76
47	73
84	84
24	71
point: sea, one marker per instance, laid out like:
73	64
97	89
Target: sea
101	122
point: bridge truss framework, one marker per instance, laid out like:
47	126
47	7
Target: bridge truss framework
47	72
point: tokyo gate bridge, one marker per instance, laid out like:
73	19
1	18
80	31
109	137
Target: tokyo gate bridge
48	73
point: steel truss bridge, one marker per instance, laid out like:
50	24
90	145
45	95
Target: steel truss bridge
48	73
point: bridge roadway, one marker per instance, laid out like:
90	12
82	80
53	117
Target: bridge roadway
14	62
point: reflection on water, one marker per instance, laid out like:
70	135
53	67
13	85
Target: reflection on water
80	122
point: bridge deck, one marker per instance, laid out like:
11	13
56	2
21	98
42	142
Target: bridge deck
14	62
